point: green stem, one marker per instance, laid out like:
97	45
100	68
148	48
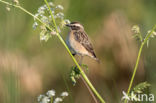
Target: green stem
82	72
63	42
51	101
135	69
52	16
77	64
138	59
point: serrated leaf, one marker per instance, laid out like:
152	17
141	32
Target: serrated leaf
73	80
84	66
141	87
74	74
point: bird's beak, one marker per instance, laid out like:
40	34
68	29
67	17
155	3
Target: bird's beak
68	25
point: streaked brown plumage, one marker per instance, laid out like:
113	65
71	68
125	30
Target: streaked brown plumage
79	42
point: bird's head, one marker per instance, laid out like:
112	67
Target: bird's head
75	26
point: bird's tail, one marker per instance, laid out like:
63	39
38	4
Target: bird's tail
94	56
97	60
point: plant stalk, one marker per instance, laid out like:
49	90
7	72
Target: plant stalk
77	64
138	59
64	44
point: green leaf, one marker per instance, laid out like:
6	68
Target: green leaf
74	74
141	87
73	80
84	66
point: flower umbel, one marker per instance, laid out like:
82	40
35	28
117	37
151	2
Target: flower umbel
50	97
45	100
57	100
64	94
40	97
51	93
43	13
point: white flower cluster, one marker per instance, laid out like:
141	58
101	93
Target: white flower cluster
43	14
58	99
51	93
136	29
50	97
59	7
64	94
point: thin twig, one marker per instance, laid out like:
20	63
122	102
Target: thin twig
90	91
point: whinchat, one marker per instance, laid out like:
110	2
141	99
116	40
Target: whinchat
78	41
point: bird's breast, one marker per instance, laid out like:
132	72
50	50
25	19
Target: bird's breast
75	45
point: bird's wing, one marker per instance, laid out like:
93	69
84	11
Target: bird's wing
83	39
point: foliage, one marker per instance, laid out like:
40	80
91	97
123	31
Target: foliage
75	73
143	42
51	26
141	87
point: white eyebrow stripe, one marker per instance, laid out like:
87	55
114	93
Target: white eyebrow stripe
79	25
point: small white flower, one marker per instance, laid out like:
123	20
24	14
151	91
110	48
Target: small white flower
60	15
16	1
45	100
45	6
35	16
35	25
7	8
44	19
51	4
51	93
154	33
43	37
40	97
57	100
59	7
53	11
67	21
64	94
64	22
49	16
41	10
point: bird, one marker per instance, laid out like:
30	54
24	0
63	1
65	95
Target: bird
78	41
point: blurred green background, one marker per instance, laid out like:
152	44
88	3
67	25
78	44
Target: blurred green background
29	68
